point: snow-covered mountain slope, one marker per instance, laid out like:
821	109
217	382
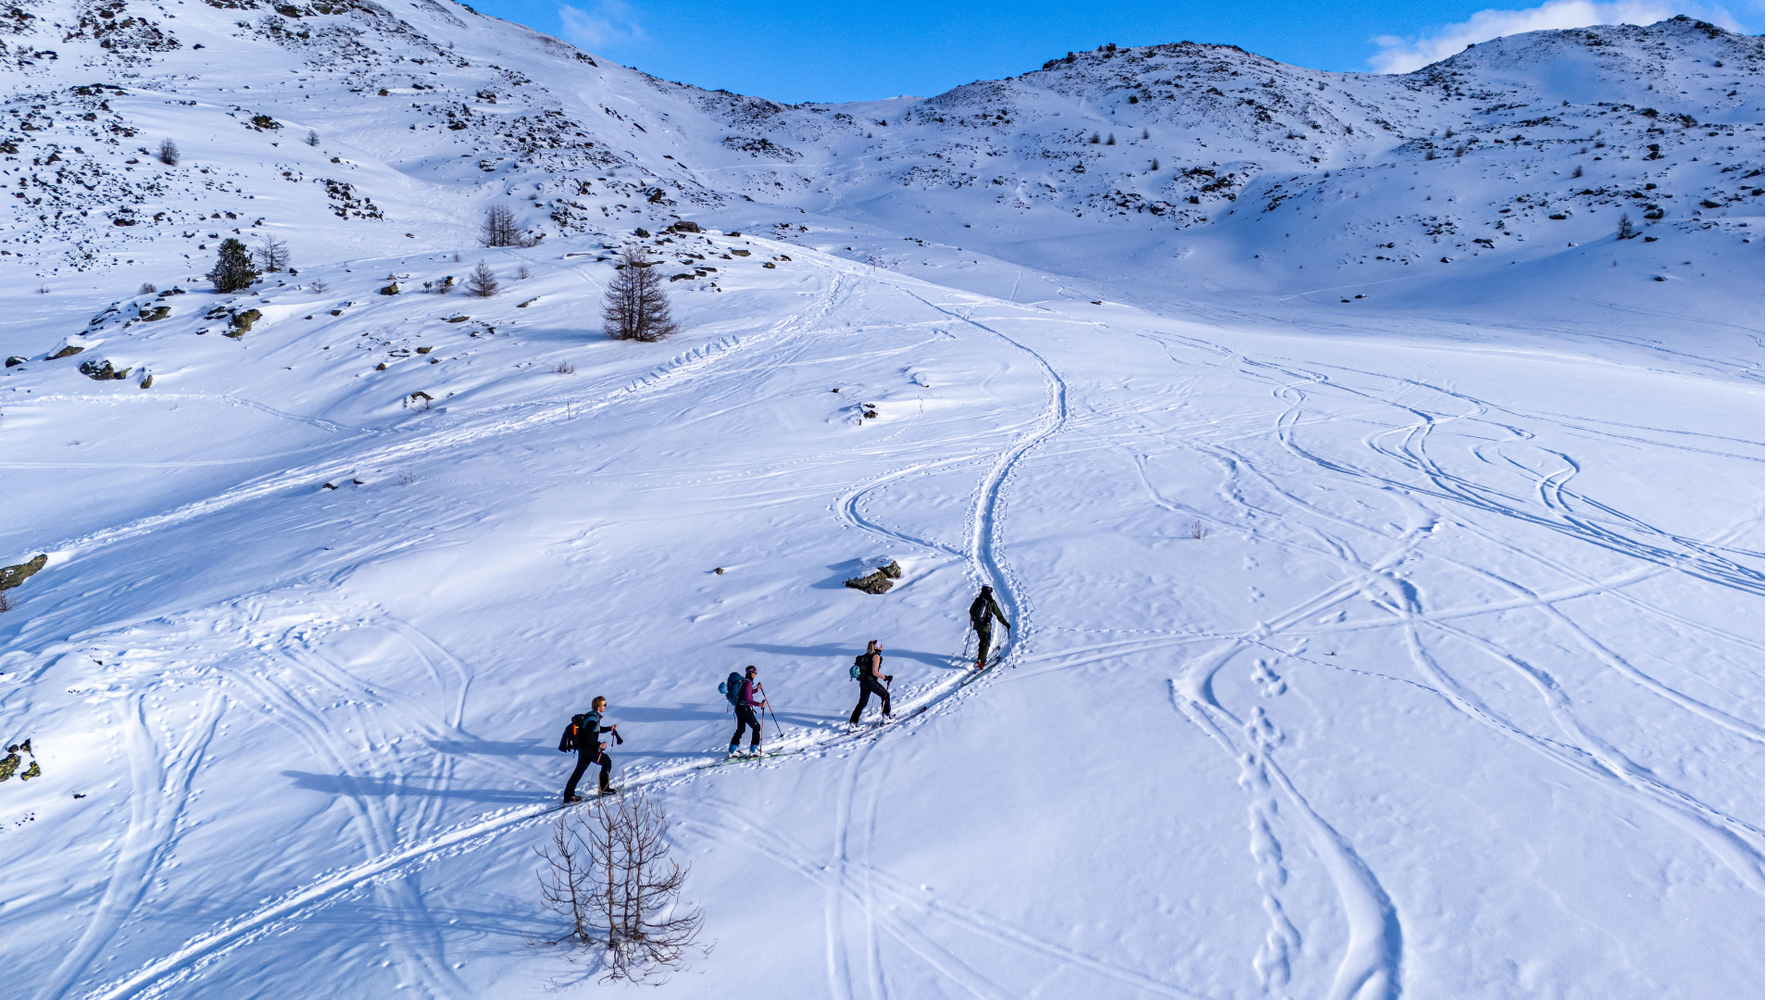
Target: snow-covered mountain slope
1520	151
1381	627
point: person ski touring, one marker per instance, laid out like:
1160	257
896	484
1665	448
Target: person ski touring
743	694
868	668
582	735
981	617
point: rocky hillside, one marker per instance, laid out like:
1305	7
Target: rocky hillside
353	129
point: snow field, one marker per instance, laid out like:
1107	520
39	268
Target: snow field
1343	743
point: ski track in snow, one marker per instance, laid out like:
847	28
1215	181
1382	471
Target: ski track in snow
386	858
486	422
845	878
1372	964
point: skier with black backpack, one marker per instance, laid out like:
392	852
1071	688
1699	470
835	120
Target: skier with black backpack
582	735
981	618
742	693
867	669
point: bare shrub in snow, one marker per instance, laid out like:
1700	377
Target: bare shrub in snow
42	289
523	273
499	228
319	286
609	871
407	479
147	288
636	301
482	283
169	153
1577	172
1197	530
564	368
271	254
313	138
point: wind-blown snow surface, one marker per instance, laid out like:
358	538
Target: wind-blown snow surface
1402	646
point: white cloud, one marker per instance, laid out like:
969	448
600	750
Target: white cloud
603	23
1404	55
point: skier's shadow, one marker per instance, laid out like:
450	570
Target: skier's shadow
492	748
359	786
835	651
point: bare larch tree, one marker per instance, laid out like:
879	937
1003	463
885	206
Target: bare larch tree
499	229
271	254
608	870
636	301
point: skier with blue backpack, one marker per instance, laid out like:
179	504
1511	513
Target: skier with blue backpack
743	694
867	670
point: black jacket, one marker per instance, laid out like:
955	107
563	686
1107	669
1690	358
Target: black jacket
982	609
584	730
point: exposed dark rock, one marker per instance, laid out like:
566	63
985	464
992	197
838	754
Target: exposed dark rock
66	352
12	576
158	312
240	323
392	288
876	583
100	372
15	360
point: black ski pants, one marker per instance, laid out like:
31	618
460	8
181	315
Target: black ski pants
867	686
588	757
744	717
984	637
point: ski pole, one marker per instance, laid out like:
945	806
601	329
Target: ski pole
768	704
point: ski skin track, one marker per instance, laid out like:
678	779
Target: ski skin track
153	978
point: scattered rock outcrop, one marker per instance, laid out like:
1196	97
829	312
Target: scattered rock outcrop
878	582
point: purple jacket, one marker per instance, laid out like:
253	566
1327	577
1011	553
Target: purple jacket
747	695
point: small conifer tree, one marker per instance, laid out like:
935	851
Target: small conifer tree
234	269
482	283
1624	229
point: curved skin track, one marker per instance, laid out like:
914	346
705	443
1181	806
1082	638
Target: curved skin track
386	857
1351	483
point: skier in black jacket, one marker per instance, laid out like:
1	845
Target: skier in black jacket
981	617
871	679
582	735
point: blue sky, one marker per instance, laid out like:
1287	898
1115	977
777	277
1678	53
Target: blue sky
800	50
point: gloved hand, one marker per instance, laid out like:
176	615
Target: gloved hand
888	678
620	736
